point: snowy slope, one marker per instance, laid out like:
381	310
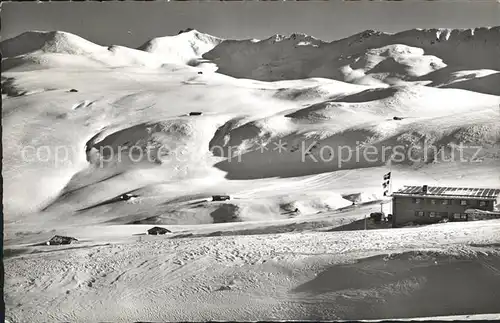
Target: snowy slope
238	114
244	119
377	274
84	124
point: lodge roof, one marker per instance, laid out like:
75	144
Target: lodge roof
444	191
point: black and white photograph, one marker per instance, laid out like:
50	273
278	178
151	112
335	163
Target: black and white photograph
198	161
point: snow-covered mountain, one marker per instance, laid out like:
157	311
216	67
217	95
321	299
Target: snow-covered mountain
58	42
361	82
183	47
435	57
102	142
370	57
36	49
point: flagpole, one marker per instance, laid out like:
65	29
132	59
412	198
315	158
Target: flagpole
390	171
387	185
390	182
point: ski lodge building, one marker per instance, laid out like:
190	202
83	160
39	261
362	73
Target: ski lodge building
426	205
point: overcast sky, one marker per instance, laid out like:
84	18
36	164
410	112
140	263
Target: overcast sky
132	23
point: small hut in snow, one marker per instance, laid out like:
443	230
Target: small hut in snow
59	240
158	230
220	197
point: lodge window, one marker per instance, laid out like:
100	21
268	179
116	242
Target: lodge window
483	203
417	201
419	213
459	216
433	201
463	202
445	202
432	214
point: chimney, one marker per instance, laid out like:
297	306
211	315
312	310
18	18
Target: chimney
424	189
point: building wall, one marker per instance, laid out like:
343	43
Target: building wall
404	208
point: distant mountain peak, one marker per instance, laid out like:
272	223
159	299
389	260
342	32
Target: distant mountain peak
185	46
294	37
369	33
46	41
186	30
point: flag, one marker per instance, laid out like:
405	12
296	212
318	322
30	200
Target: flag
386	183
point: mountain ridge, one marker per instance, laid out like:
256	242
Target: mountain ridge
52	35
421	56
